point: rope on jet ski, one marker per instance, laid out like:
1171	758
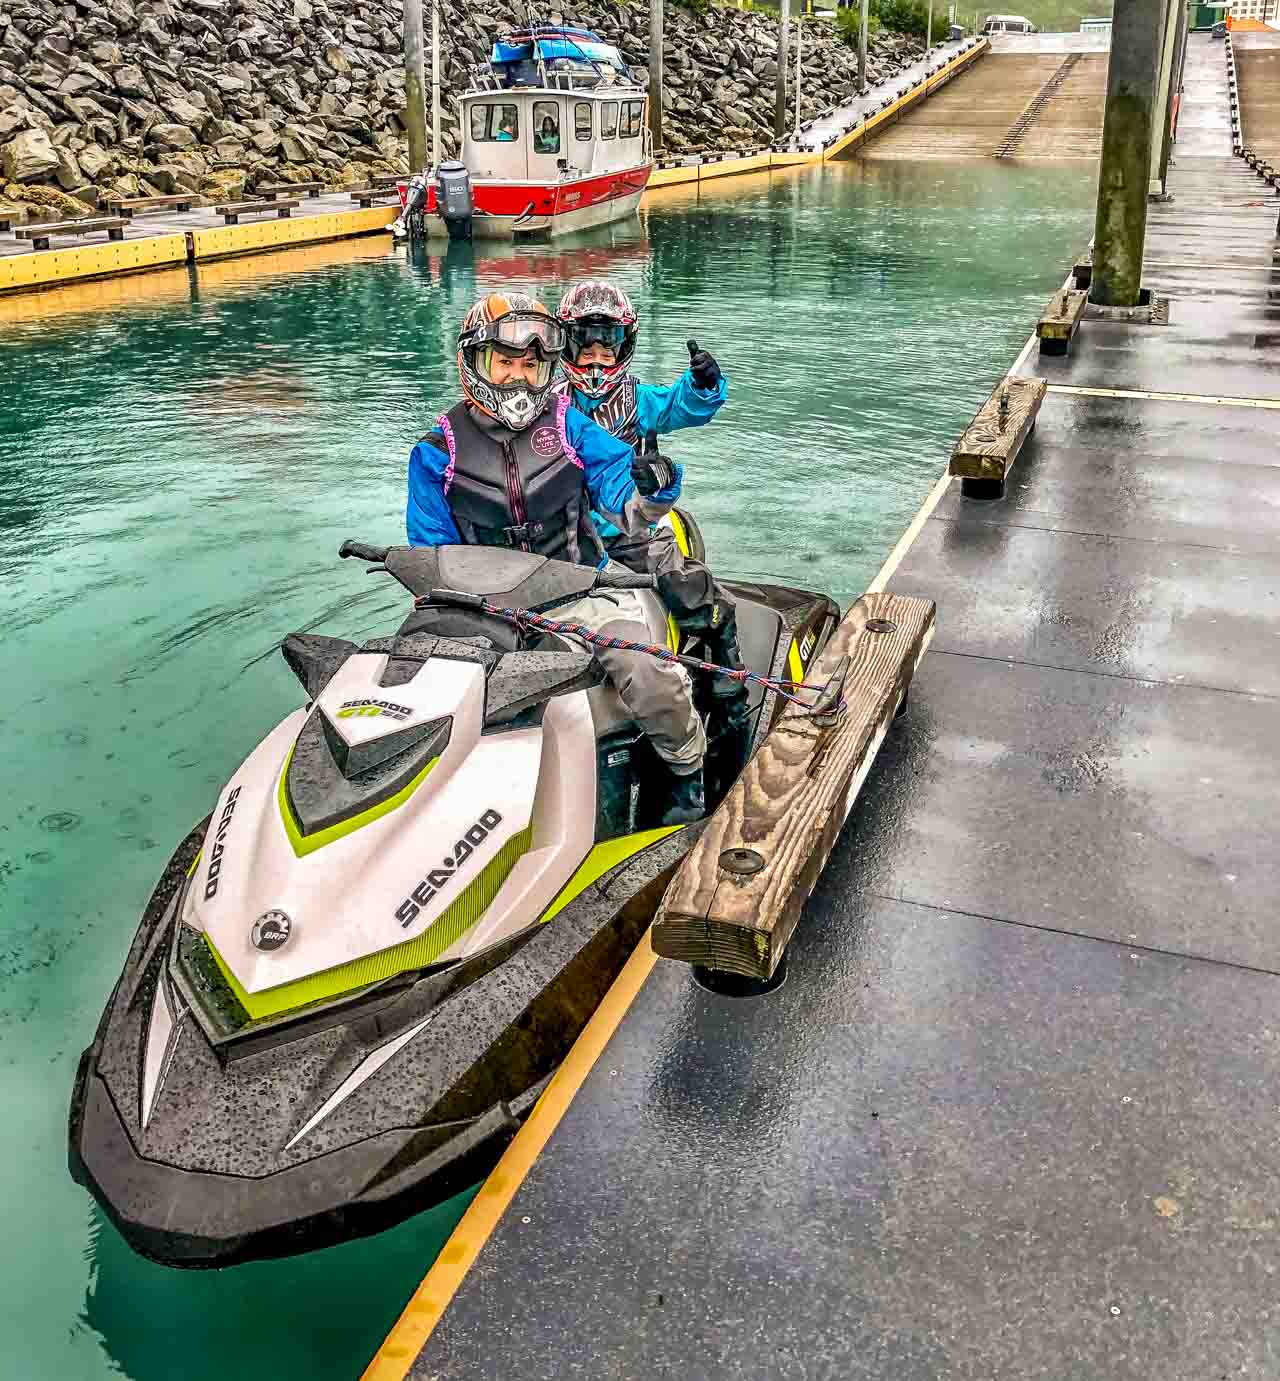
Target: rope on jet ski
526	618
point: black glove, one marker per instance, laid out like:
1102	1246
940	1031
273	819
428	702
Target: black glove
703	368
652	471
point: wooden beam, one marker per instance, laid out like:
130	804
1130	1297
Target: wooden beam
734	902
985	454
1060	322
1083	269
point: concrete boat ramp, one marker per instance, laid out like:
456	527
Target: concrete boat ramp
1012	1113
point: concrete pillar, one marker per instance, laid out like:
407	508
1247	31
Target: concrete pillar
415	86
655	73
862	50
1164	89
780	106
1120	228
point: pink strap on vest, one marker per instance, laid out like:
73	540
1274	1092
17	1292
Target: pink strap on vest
443	423
562	406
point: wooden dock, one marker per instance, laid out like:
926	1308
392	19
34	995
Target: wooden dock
169	237
1011	1113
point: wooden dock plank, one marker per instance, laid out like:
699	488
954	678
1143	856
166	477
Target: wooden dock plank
985	454
1060	321
734	902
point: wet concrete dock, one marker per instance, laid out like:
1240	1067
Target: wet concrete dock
1012	1112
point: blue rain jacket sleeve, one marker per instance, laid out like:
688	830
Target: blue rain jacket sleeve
664	410
606	462
428	521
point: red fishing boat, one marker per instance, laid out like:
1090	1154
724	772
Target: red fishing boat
555	138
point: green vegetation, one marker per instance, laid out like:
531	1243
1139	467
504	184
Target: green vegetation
897	16
908	16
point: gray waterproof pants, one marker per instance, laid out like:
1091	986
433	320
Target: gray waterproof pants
657	694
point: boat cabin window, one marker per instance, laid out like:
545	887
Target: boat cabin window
490	123
632	116
546	127
609	120
583	126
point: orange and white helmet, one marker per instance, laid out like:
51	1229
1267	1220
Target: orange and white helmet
594	312
508	324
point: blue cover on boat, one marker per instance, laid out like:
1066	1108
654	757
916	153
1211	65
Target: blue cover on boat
580	44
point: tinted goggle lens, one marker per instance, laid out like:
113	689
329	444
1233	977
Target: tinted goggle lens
608	333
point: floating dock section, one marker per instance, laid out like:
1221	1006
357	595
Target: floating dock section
1011	1113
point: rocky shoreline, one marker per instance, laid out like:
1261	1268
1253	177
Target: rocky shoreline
212	97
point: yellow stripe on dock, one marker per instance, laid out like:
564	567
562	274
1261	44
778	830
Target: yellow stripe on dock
247	238
411	1331
49	267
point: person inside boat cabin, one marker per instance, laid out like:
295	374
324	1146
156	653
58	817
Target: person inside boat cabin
547	139
514	465
600	327
507	127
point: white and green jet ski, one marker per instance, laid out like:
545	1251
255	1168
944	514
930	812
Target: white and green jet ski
356	976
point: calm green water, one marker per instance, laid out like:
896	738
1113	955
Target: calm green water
176	474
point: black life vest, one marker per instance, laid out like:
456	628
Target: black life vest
617	412
527	491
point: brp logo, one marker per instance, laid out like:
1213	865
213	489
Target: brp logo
271	930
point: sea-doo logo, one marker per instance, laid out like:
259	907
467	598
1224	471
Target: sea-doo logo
215	855
372	707
439	878
271	930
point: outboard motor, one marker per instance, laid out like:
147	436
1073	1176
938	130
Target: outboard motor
453	199
410	224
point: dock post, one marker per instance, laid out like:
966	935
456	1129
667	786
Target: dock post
436	152
799	74
780	106
1120	228
862	49
415	86
655	74
1160	128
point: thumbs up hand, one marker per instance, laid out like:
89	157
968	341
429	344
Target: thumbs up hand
703	368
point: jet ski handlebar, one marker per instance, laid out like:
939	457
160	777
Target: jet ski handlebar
617	577
363	551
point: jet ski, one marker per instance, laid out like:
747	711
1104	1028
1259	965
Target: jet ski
357	974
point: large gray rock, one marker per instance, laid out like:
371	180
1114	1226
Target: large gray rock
69	175
14	118
172	136
94	161
130	81
29	156
183	112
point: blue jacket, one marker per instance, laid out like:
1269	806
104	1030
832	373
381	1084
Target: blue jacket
662	410
606	464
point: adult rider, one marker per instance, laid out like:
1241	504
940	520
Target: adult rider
514	465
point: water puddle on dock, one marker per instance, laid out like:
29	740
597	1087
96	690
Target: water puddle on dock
179	461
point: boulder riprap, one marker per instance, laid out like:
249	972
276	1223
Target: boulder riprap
215	96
